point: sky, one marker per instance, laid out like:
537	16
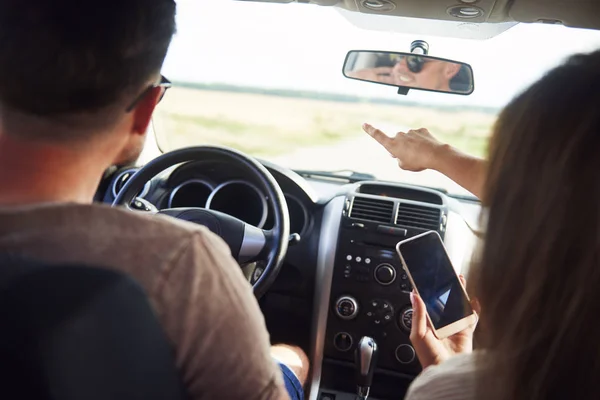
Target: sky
300	46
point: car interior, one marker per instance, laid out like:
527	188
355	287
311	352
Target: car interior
319	246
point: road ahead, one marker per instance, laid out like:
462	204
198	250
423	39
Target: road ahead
362	154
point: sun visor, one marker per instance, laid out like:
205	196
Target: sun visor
581	14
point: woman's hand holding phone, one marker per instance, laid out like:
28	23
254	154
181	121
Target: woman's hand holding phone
431	350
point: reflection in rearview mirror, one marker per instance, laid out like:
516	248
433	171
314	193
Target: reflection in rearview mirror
410	70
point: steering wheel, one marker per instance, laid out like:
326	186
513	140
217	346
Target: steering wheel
247	242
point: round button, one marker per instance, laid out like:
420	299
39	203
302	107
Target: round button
405	354
385	274
342	341
346	307
405	319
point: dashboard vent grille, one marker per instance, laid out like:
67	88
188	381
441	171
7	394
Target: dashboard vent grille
412	215
372	209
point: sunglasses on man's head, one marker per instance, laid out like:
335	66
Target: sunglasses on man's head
164	83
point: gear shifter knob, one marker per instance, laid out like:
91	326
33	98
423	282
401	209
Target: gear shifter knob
365	361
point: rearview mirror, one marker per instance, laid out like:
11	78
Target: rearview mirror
409	71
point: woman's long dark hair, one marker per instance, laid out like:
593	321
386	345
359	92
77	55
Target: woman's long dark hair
538	274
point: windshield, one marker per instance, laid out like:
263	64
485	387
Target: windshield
267	80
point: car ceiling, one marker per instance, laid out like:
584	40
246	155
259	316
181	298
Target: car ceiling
573	13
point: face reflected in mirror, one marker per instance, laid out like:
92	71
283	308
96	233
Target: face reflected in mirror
410	70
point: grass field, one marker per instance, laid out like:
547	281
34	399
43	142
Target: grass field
266	125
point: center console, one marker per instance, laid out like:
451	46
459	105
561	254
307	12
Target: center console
369	292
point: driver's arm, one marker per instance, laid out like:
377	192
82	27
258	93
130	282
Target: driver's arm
210	313
417	150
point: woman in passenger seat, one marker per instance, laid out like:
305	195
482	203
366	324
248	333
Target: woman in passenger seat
537	273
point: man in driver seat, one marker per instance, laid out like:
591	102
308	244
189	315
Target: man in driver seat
78	84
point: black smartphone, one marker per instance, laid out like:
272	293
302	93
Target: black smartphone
433	277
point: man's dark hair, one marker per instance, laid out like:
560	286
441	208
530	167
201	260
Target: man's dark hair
74	56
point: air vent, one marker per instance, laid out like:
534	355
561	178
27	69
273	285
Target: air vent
372	209
122	179
402	192
411	215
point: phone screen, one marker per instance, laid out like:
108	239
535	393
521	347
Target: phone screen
435	280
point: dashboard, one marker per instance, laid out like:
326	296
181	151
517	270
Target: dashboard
218	187
342	280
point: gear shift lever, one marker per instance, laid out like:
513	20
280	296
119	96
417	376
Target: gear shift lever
365	361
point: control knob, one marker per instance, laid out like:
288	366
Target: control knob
405	319
405	354
346	307
385	274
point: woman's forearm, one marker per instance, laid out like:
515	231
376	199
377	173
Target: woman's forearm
417	150
467	171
